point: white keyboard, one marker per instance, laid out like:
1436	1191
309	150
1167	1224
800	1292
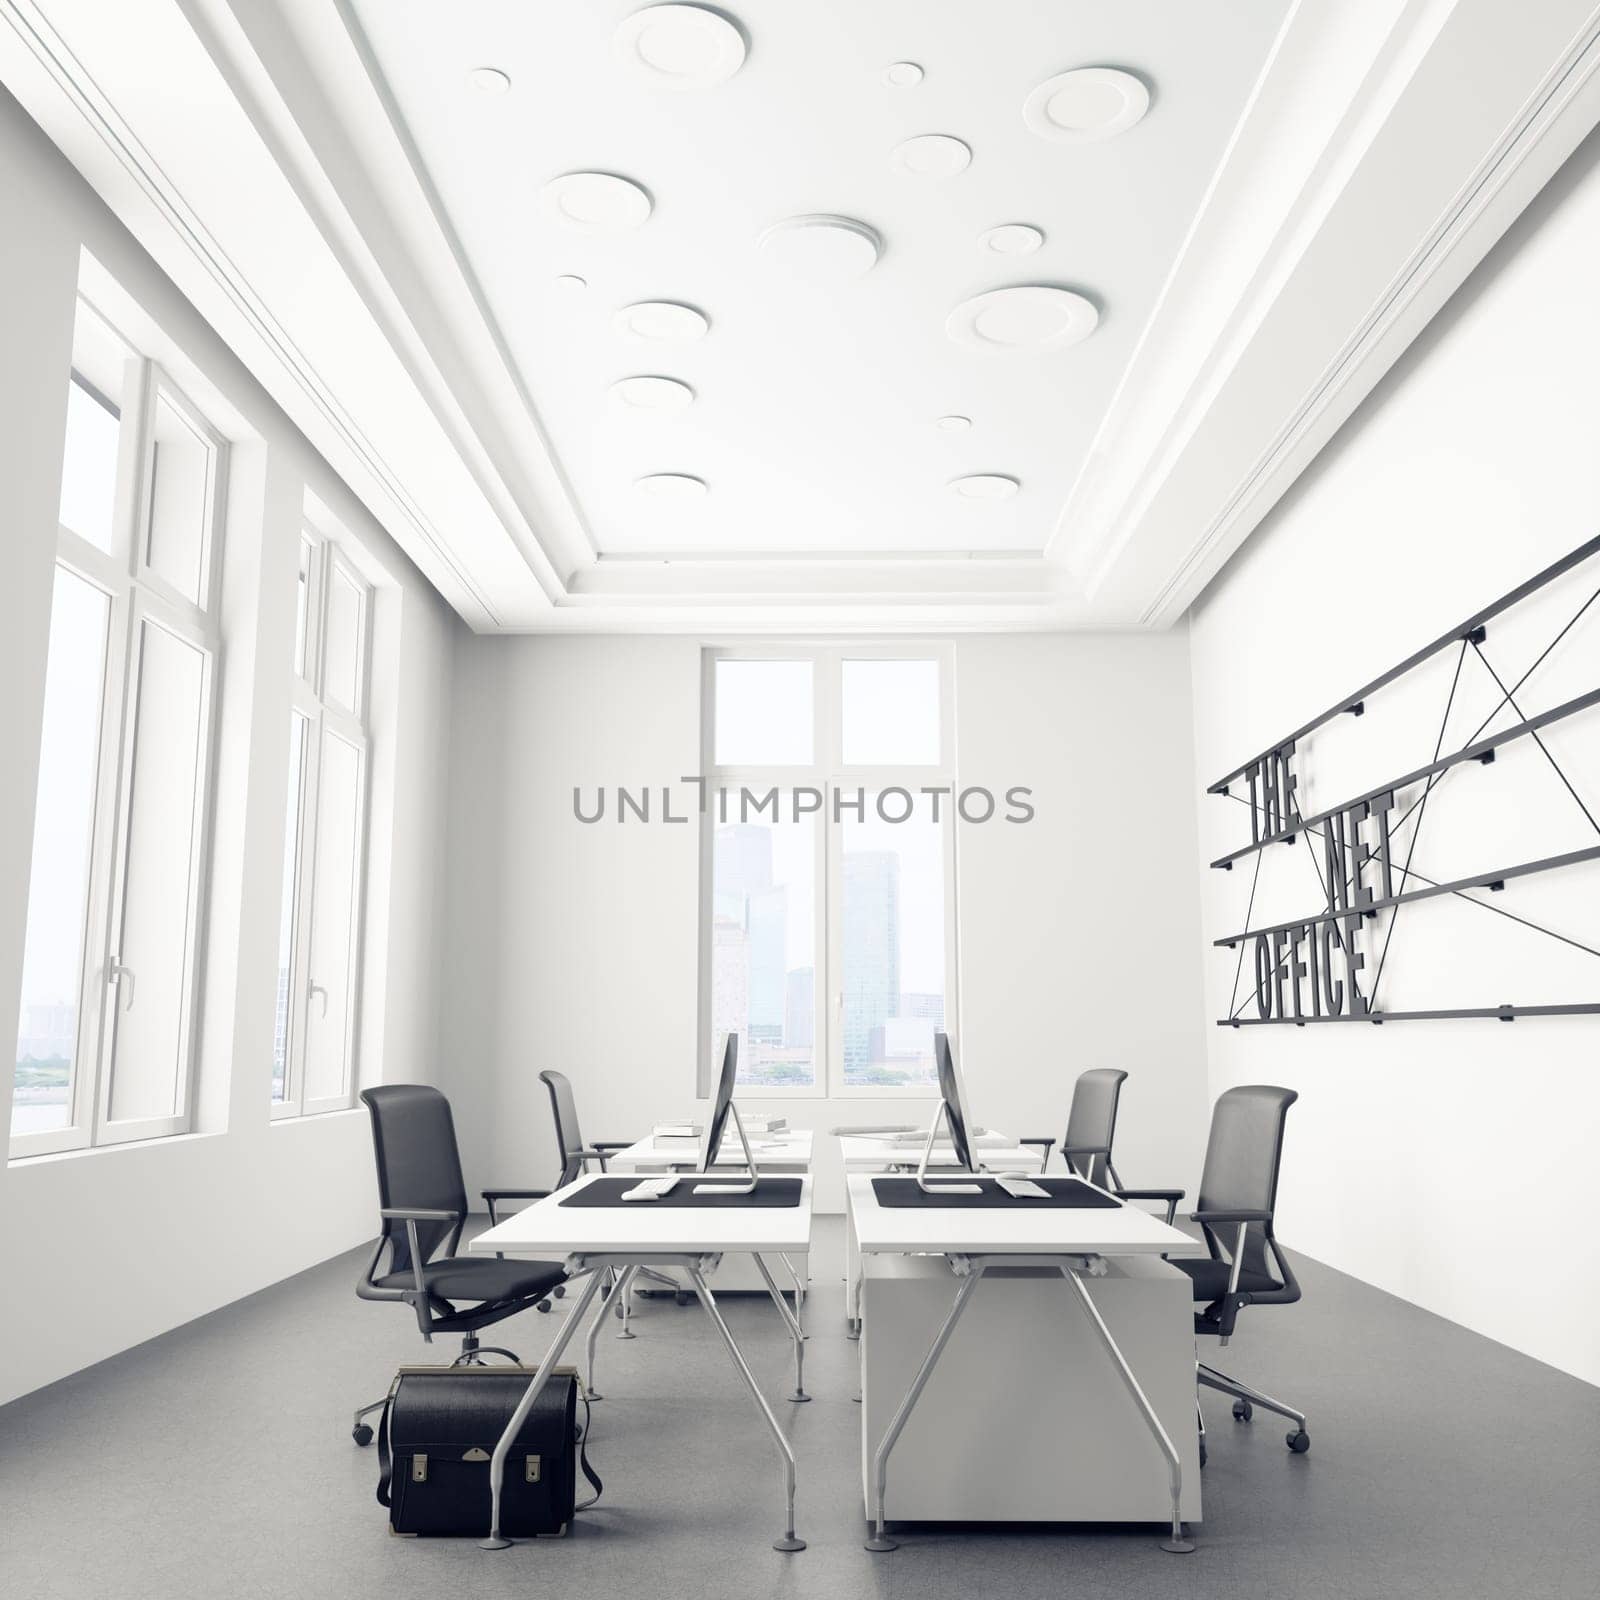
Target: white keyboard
651	1189
1021	1188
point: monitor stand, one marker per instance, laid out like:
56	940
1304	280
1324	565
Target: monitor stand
720	1187
942	1186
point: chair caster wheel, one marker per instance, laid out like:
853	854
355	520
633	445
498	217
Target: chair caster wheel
1202	1452
560	1291
616	1311
544	1305
1299	1441
1243	1411
362	1434
681	1297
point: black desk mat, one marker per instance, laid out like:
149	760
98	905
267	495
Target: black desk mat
1066	1194
769	1192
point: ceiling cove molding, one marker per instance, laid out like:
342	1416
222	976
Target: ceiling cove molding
79	90
1543	136
1163	501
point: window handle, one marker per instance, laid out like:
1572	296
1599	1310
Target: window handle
121	974
313	989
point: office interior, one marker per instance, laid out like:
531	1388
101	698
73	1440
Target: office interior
548	539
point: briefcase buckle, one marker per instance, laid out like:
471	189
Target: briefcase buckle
419	1469
531	1470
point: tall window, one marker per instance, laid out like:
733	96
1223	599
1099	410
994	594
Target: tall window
107	1041
319	927
828	942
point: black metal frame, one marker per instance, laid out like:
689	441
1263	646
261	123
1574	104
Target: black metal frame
1350	901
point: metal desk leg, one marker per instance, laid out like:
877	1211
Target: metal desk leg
880	1462
1179	1543
799	1286
625	1307
497	1462
852	1279
792	1322
785	1450
619	1286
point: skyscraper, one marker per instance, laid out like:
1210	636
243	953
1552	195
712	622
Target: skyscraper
767	928
871	949
800	1011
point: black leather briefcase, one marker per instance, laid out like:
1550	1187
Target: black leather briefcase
439	1429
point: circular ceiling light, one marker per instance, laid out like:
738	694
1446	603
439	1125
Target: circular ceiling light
489	80
650	393
823	248
1086	105
598	202
932	155
681	47
902	74
672	486
1013	239
1033	317
569	282
662	321
985	486
954	423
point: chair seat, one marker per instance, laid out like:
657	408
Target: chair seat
1211	1278
482	1278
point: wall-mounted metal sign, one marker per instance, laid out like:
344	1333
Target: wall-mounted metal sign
1326	966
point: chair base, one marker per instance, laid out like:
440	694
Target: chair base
1247	1398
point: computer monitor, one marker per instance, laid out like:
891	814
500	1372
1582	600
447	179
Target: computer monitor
953	1094
721	1103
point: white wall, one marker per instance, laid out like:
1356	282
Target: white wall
102	1249
575	946
1449	1162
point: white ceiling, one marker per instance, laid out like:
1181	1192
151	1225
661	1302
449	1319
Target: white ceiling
368	231
815	404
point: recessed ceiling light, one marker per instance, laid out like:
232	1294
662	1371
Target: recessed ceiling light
598	202
1032	317
489	80
678	486
954	423
932	155
1086	105
985	486
681	47
570	282
823	248
902	74
650	393
1013	239
663	321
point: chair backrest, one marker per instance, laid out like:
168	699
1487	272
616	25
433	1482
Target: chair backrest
1092	1121
1242	1158
569	1141
414	1140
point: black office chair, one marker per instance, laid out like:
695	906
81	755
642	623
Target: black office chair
1238	1195
424	1205
575	1154
1091	1126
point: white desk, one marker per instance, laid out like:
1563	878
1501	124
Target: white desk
865	1155
781	1153
1076	1243
612	1244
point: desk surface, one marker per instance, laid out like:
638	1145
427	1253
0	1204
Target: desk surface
549	1229
789	1149
1125	1231
877	1155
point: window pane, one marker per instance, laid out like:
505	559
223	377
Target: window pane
63	832
763	947
89	465
288	904
152	1023
302	606
763	713
892	946
346	607
891	713
331	968
180	497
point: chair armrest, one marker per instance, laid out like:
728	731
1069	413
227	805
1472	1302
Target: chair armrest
1223	1218
491	1196
417	1214
411	1216
1169	1197
597	1145
1045	1146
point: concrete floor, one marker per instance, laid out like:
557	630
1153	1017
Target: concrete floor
216	1461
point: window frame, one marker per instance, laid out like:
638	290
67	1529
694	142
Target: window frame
137	593
828	772
324	718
